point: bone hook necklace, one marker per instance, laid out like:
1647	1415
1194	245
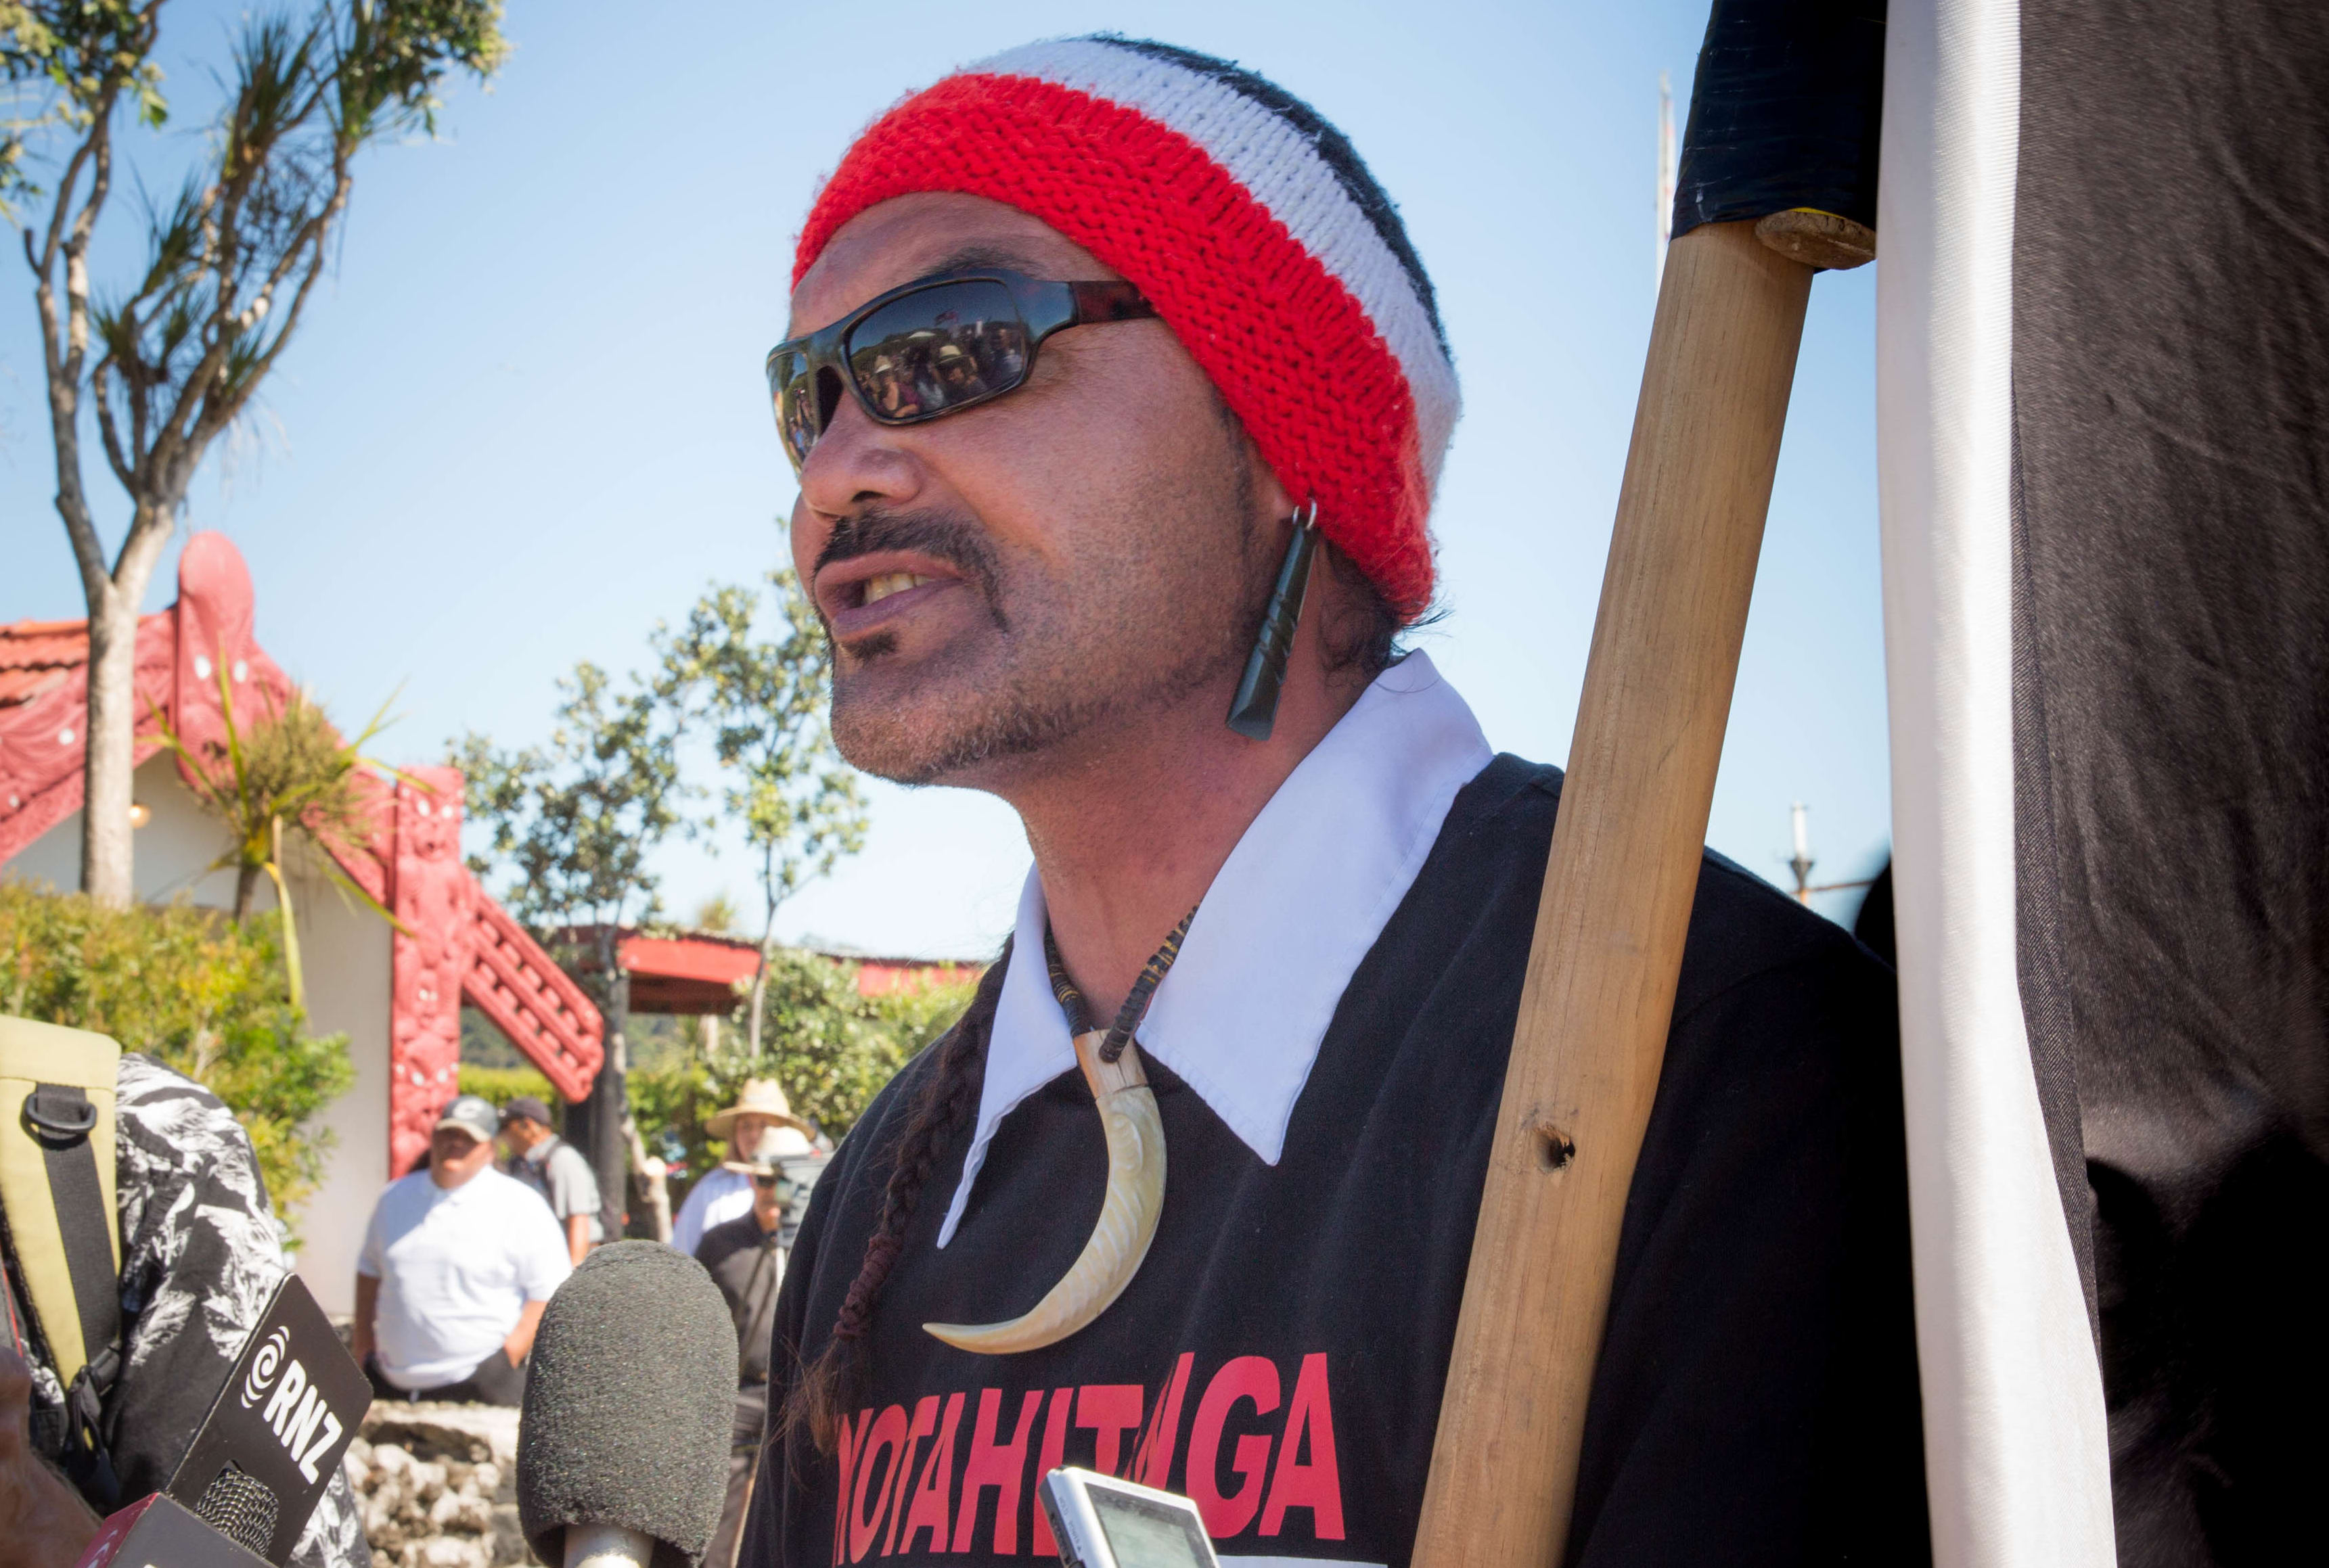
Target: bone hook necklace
1135	1167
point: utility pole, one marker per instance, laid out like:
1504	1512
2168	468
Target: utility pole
1801	862
594	1125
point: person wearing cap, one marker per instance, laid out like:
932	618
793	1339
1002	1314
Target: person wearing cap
1141	569
457	1265
556	1169
761	1121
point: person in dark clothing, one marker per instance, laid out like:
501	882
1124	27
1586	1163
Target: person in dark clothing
746	1257
1755	1400
1055	593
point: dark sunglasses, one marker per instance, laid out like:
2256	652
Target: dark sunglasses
935	347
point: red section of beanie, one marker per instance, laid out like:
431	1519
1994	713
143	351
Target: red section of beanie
1289	347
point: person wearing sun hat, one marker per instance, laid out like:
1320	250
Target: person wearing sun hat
1118	394
761	1120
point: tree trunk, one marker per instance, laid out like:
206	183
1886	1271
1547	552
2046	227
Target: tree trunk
109	746
246	883
760	995
760	986
108	755
651	1173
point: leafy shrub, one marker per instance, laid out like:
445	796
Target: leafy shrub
197	992
830	1048
503	1084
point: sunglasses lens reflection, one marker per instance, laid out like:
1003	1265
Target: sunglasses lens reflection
940	349
797	424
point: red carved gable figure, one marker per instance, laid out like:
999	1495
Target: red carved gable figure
457	943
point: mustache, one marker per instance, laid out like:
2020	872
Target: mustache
942	536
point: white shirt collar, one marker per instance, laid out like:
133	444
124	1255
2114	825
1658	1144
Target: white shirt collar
1293	911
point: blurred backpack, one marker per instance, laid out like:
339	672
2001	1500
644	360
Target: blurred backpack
60	1286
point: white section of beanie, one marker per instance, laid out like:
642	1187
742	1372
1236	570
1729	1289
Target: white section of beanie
1277	165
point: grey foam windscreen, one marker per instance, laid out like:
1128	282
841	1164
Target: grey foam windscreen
629	1401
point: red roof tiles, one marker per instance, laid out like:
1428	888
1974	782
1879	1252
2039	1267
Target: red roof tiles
35	656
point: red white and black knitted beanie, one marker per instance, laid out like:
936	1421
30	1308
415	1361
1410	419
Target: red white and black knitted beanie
1252	226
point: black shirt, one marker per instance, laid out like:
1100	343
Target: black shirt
1280	1354
746	1263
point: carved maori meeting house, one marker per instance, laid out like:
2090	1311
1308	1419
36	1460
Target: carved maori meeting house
396	994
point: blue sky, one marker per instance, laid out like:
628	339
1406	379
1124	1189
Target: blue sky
525	420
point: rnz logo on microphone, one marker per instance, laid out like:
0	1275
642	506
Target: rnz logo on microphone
297	1409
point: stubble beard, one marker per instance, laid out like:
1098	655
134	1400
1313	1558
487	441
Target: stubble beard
1073	659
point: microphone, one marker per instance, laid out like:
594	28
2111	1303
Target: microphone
630	1397
157	1531
259	1463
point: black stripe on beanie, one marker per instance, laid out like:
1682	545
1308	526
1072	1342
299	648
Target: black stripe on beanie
1350	170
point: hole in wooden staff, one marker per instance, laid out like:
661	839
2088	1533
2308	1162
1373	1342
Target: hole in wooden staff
1554	1147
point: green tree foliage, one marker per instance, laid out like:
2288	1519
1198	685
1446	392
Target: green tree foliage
830	1047
571	825
715	914
166	358
796	803
197	992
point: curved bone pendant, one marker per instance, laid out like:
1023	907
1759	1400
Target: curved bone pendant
1128	1214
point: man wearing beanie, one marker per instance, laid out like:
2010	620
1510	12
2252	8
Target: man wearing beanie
1117	396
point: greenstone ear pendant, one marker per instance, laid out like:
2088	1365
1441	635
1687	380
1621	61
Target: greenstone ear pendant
1253	712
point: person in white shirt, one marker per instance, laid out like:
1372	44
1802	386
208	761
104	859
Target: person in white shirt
457	1266
760	1125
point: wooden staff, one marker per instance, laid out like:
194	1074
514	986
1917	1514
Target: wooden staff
1617	889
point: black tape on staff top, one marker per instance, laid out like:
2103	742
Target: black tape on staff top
1785	112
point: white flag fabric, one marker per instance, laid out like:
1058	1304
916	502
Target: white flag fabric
2017	1455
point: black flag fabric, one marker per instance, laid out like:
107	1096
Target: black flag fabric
2103	405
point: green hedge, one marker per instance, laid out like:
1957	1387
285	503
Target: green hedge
198	992
503	1084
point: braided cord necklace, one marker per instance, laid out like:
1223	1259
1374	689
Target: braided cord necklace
1135	1169
1073	1002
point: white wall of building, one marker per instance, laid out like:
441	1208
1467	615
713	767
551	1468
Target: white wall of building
175	850
344	952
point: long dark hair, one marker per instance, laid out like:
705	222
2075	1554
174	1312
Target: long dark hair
828	1386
